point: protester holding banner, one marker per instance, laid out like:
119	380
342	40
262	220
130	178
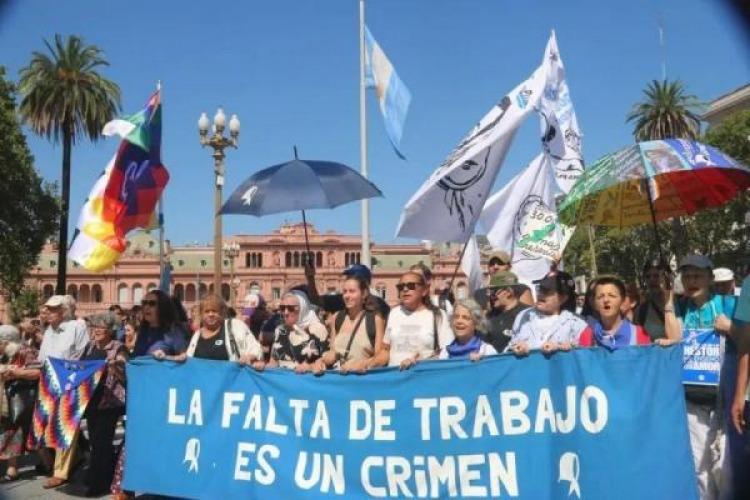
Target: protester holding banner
551	324
159	334
703	315
19	372
301	338
416	329
358	331
611	329
466	322
108	403
223	339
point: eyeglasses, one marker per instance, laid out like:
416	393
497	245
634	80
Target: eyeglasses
147	302
285	308
411	285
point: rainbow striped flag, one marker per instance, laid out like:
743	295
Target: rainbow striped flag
125	195
65	389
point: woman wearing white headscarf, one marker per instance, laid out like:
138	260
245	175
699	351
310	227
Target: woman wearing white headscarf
301	338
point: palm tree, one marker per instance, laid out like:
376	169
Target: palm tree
63	97
667	112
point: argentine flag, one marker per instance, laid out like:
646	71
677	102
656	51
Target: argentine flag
393	96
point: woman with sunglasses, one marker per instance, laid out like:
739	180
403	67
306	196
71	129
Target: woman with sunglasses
416	330
158	334
223	339
551	324
357	331
301	338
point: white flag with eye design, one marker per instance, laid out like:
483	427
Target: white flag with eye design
448	204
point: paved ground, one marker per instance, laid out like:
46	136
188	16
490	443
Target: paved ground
29	486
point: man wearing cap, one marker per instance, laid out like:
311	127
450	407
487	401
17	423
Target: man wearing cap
701	309
500	261
504	307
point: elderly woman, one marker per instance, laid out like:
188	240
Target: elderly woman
19	372
416	329
467	320
612	329
357	331
301	338
159	334
223	339
551	324
108	402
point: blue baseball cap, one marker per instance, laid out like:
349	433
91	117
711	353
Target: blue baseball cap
360	271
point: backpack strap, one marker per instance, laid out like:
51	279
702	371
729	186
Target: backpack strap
435	341
339	320
351	336
232	341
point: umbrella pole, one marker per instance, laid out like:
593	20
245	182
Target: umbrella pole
652	209
307	242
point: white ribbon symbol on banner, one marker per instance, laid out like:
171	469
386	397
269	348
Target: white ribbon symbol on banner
192	452
569	471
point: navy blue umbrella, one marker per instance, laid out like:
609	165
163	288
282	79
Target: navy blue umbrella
299	185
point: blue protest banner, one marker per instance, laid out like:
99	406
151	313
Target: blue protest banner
702	357
585	424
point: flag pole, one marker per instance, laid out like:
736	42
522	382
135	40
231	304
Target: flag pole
161	222
363	138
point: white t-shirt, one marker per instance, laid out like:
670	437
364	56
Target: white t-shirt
409	333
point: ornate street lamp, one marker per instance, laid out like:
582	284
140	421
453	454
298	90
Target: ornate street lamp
218	143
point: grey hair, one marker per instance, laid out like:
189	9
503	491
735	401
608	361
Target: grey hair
475	310
9	333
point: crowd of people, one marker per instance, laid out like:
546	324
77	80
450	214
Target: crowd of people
357	331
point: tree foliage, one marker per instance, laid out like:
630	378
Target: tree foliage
65	97
29	208
667	112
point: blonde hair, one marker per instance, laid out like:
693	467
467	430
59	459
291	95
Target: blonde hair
215	301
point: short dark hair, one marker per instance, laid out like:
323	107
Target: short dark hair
612	280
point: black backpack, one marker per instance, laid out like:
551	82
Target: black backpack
369	324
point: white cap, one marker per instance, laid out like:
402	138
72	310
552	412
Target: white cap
723	274
55	301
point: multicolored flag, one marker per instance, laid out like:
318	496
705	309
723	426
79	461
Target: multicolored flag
393	96
65	389
125	195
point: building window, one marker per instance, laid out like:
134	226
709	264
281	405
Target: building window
48	291
203	262
52	263
180	262
296	259
122	294
137	293
254	259
288	259
179	291
189	292
96	294
84	294
319	259
73	291
276	293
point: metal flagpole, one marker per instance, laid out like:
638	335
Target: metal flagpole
363	137
161	221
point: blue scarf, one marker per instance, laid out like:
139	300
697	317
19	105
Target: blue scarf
621	338
456	350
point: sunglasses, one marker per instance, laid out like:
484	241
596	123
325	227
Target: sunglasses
411	285
147	302
285	308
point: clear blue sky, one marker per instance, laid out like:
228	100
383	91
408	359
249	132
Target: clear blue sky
289	68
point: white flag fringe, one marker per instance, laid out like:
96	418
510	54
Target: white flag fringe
471	265
447	206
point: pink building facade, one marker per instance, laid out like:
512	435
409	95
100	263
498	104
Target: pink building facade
269	264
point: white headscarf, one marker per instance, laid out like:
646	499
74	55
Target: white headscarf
306	314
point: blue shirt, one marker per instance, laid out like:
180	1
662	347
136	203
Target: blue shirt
172	341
